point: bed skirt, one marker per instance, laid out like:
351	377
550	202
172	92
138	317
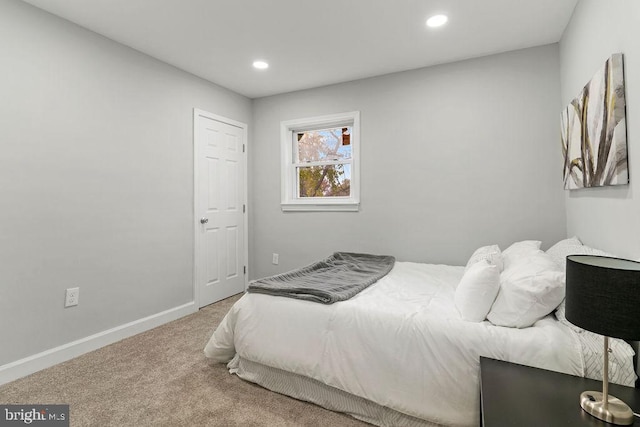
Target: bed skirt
310	390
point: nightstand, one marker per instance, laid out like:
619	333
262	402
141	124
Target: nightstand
514	395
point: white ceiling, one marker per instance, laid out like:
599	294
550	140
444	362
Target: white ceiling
311	43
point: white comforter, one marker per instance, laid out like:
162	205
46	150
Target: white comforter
400	343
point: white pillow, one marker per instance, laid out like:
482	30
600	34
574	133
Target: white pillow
578	250
490	253
588	250
560	250
477	290
519	250
530	289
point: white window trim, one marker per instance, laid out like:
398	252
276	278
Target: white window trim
290	201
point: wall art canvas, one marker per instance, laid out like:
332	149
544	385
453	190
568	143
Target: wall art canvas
594	132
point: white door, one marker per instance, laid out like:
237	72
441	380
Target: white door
220	210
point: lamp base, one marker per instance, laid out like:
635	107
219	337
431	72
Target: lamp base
617	412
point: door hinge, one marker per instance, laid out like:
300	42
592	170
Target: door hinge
244	208
245	269
243	148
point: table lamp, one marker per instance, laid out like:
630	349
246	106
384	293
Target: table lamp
603	296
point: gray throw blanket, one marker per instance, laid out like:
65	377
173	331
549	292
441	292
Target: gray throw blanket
336	278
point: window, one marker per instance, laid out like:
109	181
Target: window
320	163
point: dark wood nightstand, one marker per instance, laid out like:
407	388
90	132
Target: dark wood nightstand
514	395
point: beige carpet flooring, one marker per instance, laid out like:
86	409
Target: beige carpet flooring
161	378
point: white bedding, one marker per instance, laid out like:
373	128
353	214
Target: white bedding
400	343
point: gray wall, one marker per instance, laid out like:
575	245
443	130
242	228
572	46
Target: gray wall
607	218
96	180
453	157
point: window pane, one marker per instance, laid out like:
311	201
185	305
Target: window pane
325	181
326	144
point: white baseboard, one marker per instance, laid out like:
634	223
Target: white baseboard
23	367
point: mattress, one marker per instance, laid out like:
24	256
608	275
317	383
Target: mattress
400	343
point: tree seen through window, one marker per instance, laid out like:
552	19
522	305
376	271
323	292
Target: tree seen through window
324	162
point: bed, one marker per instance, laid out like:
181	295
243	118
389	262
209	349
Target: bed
399	353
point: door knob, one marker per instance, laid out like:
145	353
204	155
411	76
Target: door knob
204	220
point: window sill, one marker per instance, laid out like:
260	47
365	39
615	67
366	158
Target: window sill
320	207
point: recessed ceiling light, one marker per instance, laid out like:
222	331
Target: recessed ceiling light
437	21
260	65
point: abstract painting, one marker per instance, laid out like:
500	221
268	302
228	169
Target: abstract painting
594	132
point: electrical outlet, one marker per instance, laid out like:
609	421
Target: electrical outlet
72	297
275	259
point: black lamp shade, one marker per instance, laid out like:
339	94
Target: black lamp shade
603	295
